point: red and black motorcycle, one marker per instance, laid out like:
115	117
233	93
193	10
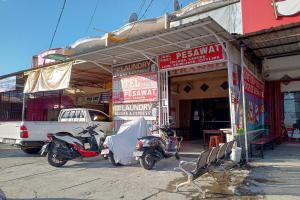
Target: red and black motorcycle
62	147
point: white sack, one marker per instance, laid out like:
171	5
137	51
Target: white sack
123	143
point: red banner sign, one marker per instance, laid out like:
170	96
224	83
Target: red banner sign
199	55
136	88
253	85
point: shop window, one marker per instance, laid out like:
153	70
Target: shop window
291	109
204	87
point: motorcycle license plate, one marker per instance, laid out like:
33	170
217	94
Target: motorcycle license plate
105	152
138	153
44	149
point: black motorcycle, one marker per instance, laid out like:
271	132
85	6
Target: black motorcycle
62	147
150	149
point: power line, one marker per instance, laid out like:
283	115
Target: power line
58	21
147	9
138	13
139	18
92	17
166	6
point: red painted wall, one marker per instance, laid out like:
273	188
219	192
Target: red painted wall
259	14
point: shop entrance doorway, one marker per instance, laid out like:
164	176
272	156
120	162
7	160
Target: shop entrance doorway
200	114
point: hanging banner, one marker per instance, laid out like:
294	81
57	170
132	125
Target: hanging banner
198	55
134	68
148	110
254	97
8	84
50	78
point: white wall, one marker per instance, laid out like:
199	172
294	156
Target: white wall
229	17
293	86
277	68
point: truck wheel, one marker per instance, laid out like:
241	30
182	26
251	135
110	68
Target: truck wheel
31	150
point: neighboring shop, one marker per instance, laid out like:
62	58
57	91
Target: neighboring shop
44	90
11	95
272	34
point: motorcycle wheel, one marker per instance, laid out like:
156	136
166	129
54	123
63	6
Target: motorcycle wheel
147	161
112	159
53	160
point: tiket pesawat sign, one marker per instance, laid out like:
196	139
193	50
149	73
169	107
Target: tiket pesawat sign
264	14
198	55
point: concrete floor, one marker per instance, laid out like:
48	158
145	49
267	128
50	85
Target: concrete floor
25	176
277	176
31	177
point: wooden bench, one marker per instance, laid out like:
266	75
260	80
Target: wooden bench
262	142
205	163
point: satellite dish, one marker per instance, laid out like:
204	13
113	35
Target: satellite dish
133	18
176	5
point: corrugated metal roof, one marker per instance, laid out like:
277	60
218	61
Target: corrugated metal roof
274	42
157	43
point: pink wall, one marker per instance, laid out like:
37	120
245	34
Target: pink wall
37	108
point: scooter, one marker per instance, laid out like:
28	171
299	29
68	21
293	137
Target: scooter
62	147
151	149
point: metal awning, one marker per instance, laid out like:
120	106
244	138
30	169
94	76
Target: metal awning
275	42
148	46
83	74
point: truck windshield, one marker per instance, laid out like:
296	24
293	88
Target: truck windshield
98	116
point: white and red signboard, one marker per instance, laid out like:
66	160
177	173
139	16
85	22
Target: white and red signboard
198	55
136	88
253	85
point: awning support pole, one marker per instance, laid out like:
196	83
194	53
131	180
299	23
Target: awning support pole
244	102
218	38
23	107
230	93
144	54
101	66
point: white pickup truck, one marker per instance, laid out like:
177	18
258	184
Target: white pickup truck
31	136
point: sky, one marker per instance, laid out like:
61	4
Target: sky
27	26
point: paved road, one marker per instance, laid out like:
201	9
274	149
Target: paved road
25	176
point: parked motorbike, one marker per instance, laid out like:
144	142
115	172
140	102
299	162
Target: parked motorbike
62	147
150	149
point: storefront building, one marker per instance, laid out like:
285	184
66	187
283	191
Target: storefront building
186	68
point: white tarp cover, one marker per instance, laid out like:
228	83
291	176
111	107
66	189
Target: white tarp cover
123	143
50	78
